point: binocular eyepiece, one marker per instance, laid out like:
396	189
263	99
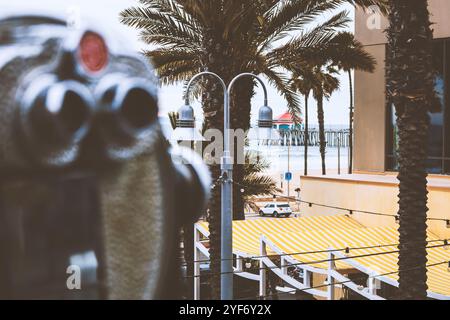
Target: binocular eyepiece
133	106
56	116
128	117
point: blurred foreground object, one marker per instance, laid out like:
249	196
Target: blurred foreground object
91	197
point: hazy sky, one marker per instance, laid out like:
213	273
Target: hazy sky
104	13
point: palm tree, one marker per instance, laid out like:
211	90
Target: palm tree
410	87
345	53
239	36
348	54
303	81
229	37
255	183
321	81
326	84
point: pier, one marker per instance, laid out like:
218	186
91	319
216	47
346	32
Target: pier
334	138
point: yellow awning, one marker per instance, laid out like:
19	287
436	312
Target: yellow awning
297	235
246	234
317	240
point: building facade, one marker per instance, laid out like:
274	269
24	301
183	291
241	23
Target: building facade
374	186
375	129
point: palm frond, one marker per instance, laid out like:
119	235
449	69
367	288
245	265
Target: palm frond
347	53
176	11
259	185
281	82
320	80
288	16
205	12
254	163
174	66
255	183
164	56
313	40
162	38
330	84
158	22
383	5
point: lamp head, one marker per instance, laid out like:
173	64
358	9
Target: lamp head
186	130
265	117
186	117
264	130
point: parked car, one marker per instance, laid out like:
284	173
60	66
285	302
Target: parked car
276	210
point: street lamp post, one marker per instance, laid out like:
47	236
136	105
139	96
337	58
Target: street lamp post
227	173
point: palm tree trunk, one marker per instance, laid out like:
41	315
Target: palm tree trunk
410	85
238	200
320	118
240	120
413	128
214	221
211	102
350	138
306	133
215	60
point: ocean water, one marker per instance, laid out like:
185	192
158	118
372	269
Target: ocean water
283	159
277	156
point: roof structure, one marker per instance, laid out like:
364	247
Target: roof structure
285	118
308	243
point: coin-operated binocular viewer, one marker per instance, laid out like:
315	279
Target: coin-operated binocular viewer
91	196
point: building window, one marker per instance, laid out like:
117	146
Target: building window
439	133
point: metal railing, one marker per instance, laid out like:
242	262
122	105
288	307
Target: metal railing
333	138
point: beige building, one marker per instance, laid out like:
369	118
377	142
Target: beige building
374	186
